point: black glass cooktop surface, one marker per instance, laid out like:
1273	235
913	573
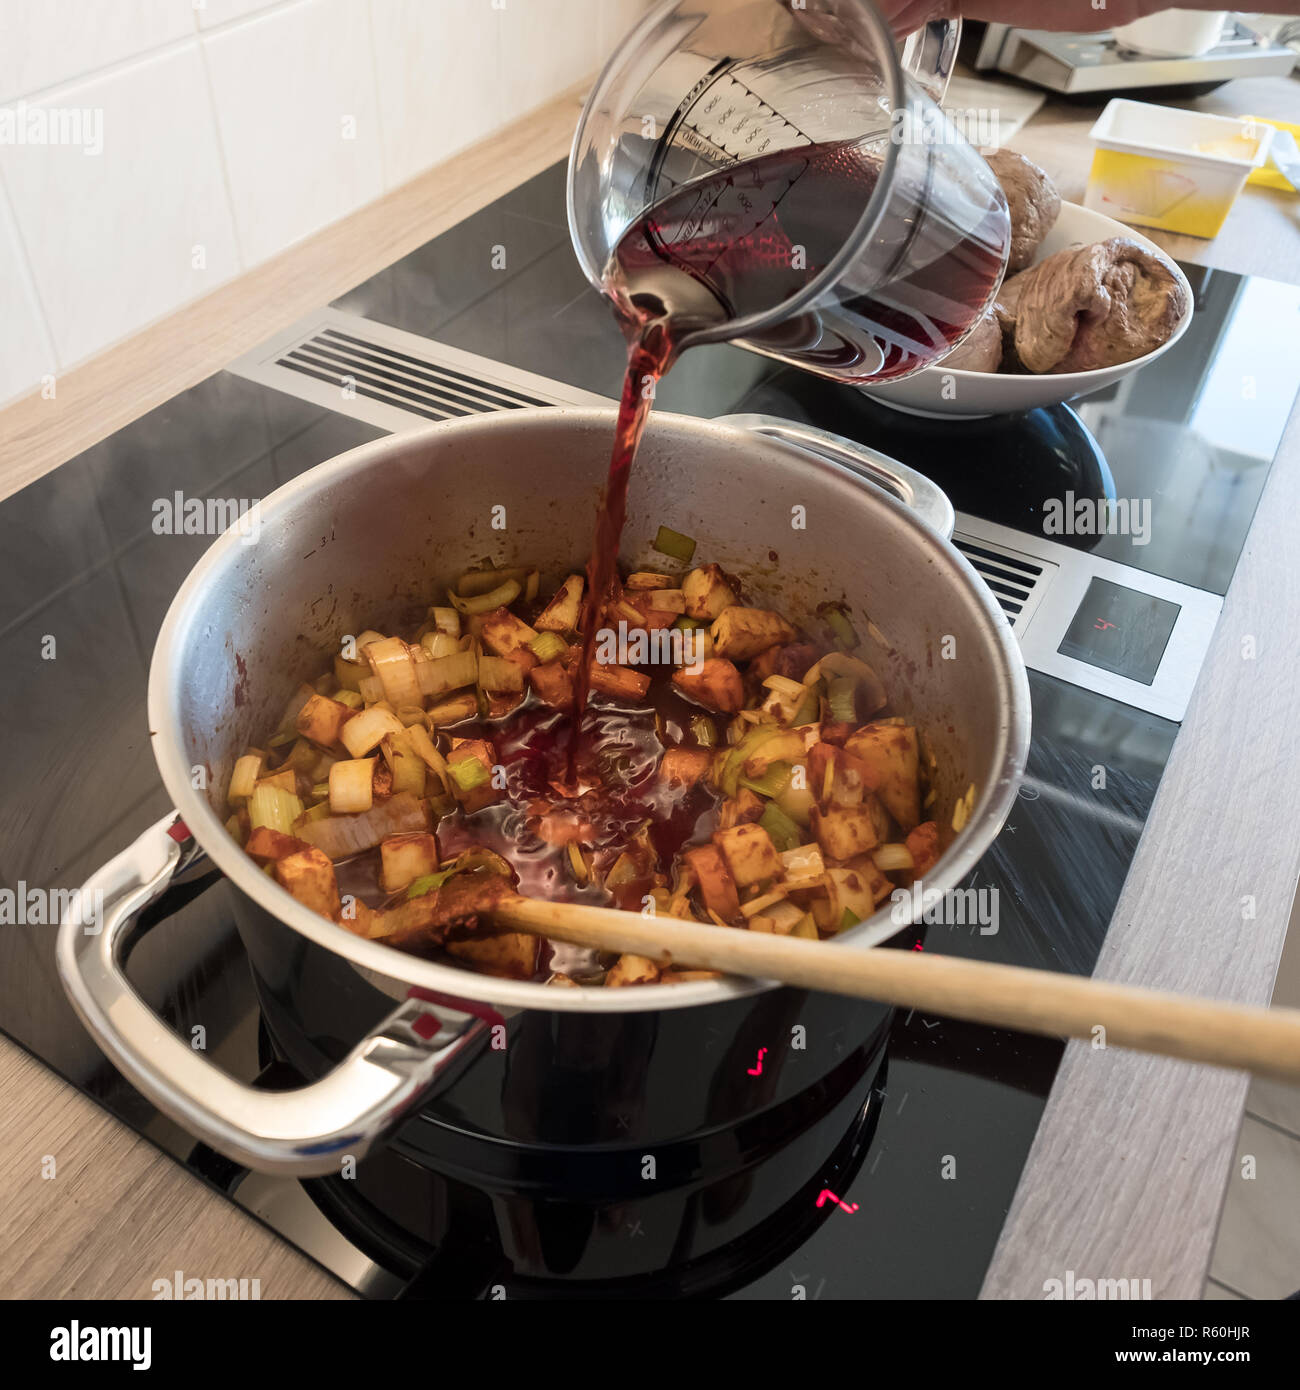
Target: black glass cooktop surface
927	1141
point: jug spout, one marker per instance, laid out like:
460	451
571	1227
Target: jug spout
929	55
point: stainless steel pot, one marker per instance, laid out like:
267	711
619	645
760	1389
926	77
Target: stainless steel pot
365	540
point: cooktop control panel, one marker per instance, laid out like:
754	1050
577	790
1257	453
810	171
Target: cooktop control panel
1121	630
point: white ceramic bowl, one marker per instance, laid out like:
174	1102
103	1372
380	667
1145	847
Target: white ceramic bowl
941	390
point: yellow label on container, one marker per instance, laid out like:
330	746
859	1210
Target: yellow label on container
1151	192
1268	177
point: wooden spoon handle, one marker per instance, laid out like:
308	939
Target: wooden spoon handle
1263	1041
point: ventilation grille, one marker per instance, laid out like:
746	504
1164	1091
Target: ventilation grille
1016	579
391	378
399	378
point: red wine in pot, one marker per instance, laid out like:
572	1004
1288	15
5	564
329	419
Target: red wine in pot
752	236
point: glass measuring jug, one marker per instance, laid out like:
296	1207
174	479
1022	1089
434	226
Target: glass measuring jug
764	171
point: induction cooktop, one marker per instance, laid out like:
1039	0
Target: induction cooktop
1113	621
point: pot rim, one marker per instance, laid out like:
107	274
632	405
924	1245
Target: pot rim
986	819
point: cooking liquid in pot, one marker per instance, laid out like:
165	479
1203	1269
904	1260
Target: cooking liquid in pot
744	239
617	769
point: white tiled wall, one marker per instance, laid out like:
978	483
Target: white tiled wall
200	137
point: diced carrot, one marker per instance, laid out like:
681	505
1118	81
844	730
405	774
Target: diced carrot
654	618
553	684
268	845
826	752
740	809
503	632
322	719
619	682
717	887
684	766
499	705
717	685
309	876
521	656
764	664
924	845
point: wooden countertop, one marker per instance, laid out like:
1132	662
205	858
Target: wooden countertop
1129	1165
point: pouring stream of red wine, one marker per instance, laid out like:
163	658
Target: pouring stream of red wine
741	241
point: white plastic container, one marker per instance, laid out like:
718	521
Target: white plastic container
1173	33
1181	171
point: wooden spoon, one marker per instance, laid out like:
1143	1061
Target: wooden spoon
1263	1041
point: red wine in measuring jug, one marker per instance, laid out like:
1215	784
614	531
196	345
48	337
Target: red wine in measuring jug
750	237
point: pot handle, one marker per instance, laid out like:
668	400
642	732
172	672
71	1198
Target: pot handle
304	1132
914	490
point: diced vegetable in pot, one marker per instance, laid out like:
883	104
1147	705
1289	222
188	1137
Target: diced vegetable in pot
734	768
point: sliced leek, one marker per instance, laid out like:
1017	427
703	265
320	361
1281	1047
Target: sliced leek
244	777
364	732
892	858
784	832
670	542
438	644
497	673
448	673
499	597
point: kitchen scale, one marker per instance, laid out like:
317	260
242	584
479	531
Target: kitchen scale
1113	631
1084	64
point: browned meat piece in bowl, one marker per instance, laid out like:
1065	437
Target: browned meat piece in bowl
981	351
1096	306
1032	200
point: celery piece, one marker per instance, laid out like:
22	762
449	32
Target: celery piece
670	542
806	927
810	708
684	624
784	833
849	919
426	883
547	646
468	773
274	808
704	731
797	804
772	783
840	697
734	764
841	629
